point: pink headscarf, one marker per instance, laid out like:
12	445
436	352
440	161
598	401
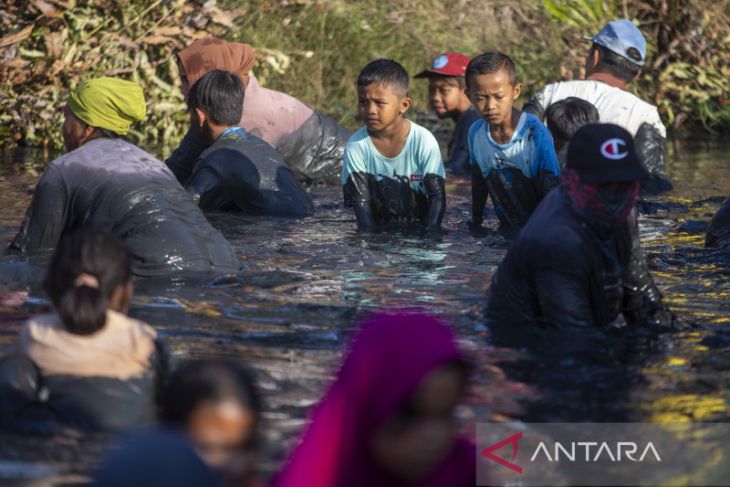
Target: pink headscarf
388	358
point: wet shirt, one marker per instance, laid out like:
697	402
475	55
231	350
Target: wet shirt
103	381
621	108
561	272
407	187
116	186
242	173
458	148
515	175
310	143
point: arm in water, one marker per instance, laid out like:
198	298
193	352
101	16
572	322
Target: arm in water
46	217
359	192
479	195
546	173
642	300
436	200
650	148
182	161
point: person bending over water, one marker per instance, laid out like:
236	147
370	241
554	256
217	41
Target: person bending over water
237	171
86	364
578	261
392	172
107	182
613	62
310	142
388	418
217	405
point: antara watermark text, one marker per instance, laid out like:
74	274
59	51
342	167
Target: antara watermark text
593	451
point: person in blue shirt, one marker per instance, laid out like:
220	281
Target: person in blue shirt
512	155
237	171
392	170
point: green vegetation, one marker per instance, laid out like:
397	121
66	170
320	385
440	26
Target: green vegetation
314	50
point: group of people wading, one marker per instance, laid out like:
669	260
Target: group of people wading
563	175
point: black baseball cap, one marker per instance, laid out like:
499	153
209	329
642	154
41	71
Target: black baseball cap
605	153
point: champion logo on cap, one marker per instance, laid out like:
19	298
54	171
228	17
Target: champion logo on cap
612	149
440	62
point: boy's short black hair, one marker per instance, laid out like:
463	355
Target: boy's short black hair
385	72
617	65
491	62
565	117
458	81
220	95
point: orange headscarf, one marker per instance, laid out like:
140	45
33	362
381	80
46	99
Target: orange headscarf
210	53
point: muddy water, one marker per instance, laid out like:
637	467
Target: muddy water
303	283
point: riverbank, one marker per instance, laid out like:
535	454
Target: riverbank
314	50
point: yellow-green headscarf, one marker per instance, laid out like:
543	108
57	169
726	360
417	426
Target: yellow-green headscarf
108	103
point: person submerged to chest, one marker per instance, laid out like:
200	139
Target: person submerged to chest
392	170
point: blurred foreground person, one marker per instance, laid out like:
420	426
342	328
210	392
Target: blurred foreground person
155	458
216	405
387	420
112	184
86	364
578	261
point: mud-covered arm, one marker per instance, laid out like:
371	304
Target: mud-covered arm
46	217
650	145
479	195
642	300
436	193
206	186
359	193
182	161
564	298
545	167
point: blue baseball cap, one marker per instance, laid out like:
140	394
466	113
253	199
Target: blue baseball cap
619	36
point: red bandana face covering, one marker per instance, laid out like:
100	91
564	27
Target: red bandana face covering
604	205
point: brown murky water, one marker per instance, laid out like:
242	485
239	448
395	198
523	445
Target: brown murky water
302	284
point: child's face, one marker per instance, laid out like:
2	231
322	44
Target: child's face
445	97
492	95
380	106
221	432
416	438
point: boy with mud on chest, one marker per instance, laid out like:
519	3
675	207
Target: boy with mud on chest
392	171
512	155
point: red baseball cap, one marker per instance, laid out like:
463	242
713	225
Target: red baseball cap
447	64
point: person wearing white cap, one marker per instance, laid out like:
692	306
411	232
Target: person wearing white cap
614	60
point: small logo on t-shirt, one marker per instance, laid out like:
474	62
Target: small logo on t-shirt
611	149
440	62
416	178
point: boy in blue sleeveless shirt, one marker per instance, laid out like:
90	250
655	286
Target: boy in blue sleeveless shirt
512	156
392	170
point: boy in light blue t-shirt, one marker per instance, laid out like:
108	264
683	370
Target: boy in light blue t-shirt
392	170
511	152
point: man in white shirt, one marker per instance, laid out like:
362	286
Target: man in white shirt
614	60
